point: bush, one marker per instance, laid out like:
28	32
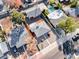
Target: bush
51	1
59	5
45	12
73	4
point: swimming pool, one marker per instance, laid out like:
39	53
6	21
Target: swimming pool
50	9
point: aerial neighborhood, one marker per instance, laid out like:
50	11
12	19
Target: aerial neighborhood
39	29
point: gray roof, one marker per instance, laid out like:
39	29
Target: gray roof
34	13
21	41
39	30
77	11
72	12
17	36
3	47
56	21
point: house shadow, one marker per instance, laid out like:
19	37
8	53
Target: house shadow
42	38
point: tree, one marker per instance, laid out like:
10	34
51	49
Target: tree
45	12
51	1
2	35
17	17
73	3
20	18
59	5
68	25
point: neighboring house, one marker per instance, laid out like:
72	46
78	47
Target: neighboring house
56	16
34	13
3	49
16	40
77	11
35	10
17	35
3	8
74	11
71	11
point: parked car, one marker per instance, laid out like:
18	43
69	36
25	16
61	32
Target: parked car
68	47
64	1
76	37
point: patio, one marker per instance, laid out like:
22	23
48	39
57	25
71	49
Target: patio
6	24
55	14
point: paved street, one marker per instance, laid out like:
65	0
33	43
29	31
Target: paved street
54	54
58	55
50	52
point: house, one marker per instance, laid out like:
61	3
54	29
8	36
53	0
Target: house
56	16
3	48
77	11
35	11
40	29
3	9
17	36
74	12
16	40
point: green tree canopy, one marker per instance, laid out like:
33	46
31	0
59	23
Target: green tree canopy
2	35
51	1
17	17
59	5
45	12
68	25
73	3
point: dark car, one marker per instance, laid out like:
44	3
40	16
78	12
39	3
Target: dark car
64	1
68	47
77	11
76	37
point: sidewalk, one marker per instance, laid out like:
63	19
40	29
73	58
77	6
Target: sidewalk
43	52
